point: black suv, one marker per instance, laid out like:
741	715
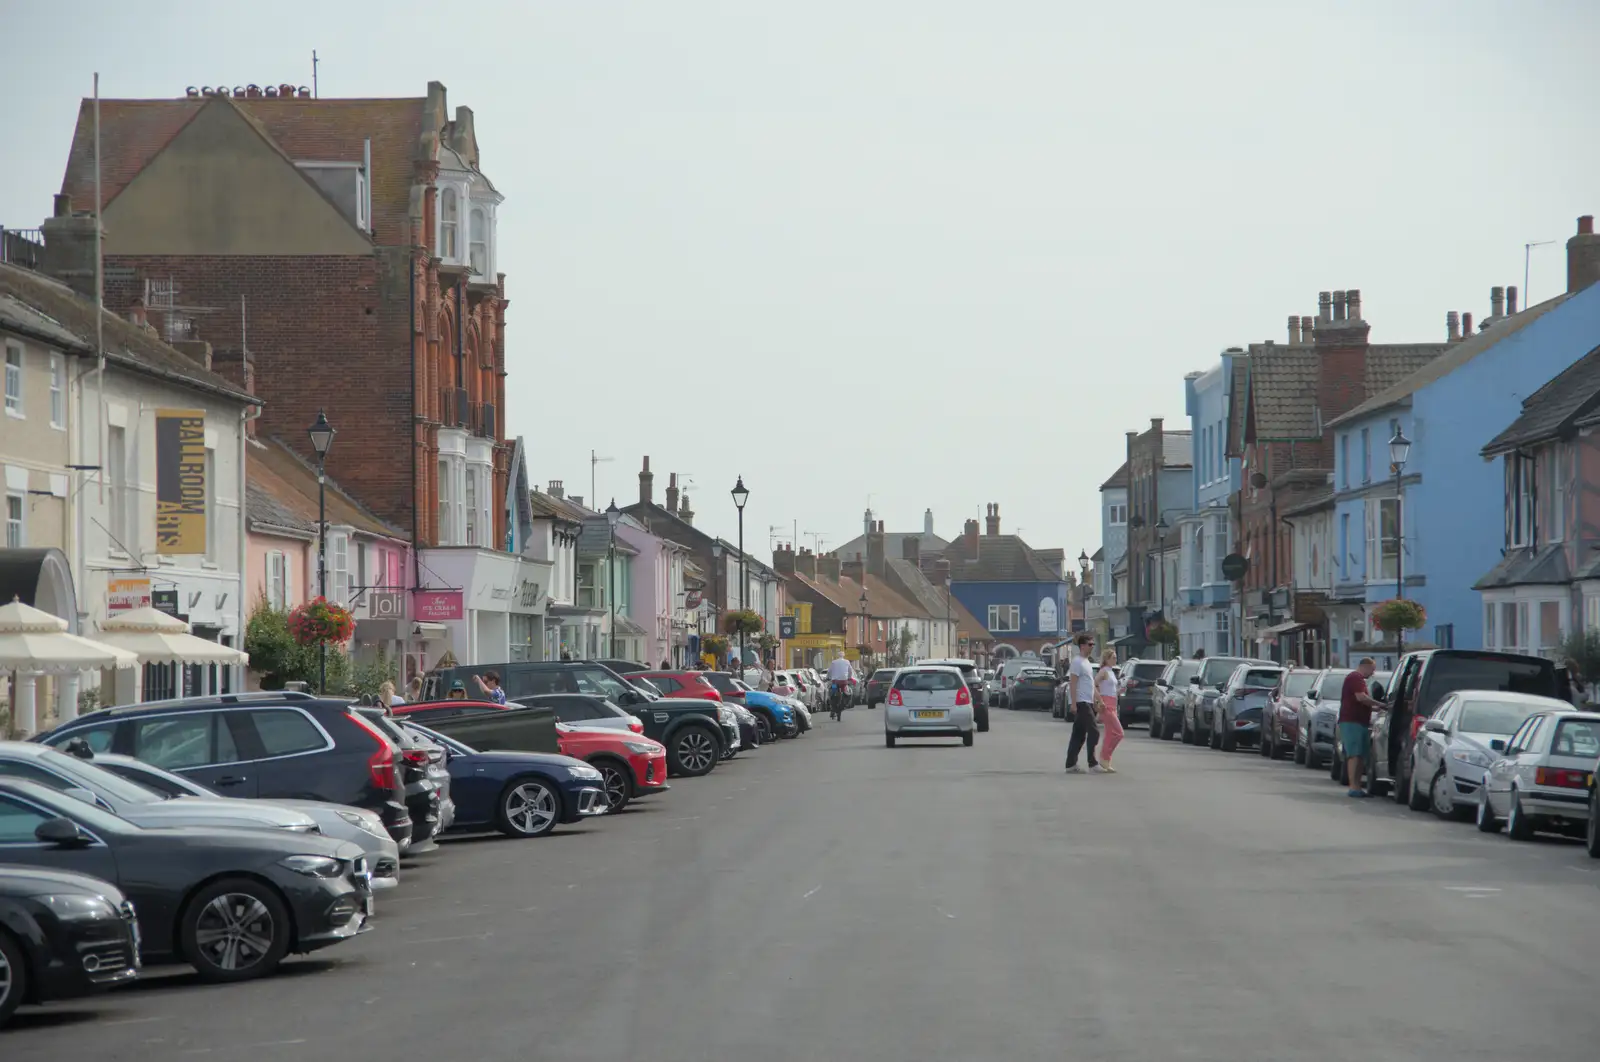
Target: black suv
288	745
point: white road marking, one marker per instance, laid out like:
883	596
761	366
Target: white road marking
244	1047
1470	888
130	1021
810	894
942	911
448	940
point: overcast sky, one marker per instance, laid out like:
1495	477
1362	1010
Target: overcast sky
926	253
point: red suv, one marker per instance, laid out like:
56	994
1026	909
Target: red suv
630	765
682	684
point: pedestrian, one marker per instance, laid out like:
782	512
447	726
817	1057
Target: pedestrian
1082	696
489	683
1199	654
1355	721
387	696
1579	689
566	654
1110	718
414	689
666	665
458	691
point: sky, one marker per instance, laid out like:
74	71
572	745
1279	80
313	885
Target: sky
914	254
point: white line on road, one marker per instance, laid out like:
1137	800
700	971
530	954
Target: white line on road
810	894
1470	888
448	940
244	1047
942	911
130	1021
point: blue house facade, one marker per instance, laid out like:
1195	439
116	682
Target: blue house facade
1438	524
1005	584
1204	604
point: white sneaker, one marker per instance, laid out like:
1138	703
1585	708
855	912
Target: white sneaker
1097	769
1107	768
1076	769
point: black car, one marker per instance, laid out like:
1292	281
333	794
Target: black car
1033	688
876	688
1135	692
698	734
62	935
289	745
231	903
424	793
975	686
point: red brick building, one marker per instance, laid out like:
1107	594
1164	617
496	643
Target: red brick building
338	254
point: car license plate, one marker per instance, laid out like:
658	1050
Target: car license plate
926	714
367	906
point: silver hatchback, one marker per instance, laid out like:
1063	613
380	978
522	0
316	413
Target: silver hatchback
1542	782
928	701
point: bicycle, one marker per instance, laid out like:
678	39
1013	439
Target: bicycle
838	694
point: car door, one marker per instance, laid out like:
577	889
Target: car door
285	746
1529	761
19	818
1497	780
199	745
1432	746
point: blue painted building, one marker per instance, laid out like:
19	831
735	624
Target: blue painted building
1441	522
1203	607
1016	594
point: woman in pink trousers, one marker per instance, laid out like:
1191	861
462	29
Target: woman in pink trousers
1110	724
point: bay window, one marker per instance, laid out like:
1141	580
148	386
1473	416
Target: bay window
446	513
449	224
471	507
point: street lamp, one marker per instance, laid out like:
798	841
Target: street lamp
322	434
741	495
1083	584
1162	527
613	514
864	638
1399	450
716	592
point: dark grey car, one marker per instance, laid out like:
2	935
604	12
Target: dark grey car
1135	690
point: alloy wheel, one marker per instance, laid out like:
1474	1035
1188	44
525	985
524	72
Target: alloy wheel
763	729
696	751
6	979
531	808
1444	801
234	931
615	785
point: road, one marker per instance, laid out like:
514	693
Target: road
830	899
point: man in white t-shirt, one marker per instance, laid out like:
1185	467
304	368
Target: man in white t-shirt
1080	694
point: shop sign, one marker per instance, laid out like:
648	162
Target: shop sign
165	601
528	595
437	606
386	604
124	594
786	626
181	487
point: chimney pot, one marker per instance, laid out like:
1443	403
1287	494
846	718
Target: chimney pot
647	492
555	490
685	513
1497	301
1511	300
1352	302
1452	323
1294	330
672	492
1466	326
994	519
1583	256
1338	306
1324	306
1307	329
927	522
1586	225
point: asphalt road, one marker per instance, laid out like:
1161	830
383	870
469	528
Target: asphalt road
830	899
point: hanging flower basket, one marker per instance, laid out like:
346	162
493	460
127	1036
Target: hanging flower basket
1162	633
742	621
714	644
319	622
1399	614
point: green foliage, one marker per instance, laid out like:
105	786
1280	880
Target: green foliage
715	644
277	659
1164	633
742	621
900	647
1399	614
367	677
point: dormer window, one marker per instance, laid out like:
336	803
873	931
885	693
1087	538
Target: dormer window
479	248
449	224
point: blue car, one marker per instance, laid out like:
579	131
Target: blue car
769	709
521	794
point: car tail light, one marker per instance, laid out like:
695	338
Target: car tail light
894	699
636	726
419	757
380	764
1561	778
1416	725
1003	680
963	696
1133	684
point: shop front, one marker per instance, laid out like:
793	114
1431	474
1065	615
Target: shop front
207	601
42	579
483	607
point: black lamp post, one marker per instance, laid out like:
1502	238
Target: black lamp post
322	434
613	514
1399	450
865	639
1083	584
1162	527
716	592
740	496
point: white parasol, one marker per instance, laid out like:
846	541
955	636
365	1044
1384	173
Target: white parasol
157	638
32	640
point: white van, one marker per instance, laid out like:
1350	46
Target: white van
928	701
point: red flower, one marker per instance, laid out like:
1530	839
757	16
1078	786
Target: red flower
319	622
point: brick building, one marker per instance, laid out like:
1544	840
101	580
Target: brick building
1159	467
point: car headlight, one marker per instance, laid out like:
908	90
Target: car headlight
369	823
314	866
1477	759
639	748
587	773
726	715
74	908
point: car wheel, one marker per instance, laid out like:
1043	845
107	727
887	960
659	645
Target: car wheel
1226	741
1443	798
888	739
529	807
1214	736
694	752
1267	747
982	724
1186	735
1300	756
13	976
1518	825
1155	723
1487	823
235	929
1591	839
966	739
617	781
764	729
1416	800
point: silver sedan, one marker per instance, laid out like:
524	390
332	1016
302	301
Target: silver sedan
1542	781
1459	742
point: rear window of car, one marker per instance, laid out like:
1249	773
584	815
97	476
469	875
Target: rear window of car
1577	737
178	741
1447	673
1488	717
1184	672
286	732
882	675
927	681
1332	682
1263	679
1218	670
1298	683
720	682
1151	671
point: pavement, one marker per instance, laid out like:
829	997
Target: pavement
831	899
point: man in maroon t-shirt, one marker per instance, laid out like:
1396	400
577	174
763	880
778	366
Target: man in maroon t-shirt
1355	720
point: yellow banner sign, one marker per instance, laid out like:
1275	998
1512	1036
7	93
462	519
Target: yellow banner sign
181	488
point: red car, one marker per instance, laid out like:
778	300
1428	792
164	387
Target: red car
433	708
682	684
630	765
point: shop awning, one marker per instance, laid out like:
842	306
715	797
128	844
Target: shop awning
157	638
32	640
1287	627
627	627
430	631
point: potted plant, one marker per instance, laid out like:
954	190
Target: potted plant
715	644
1399	614
1163	633
742	621
321	622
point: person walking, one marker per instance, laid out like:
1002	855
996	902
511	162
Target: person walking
1355	721
1080	680
388	697
414	689
1110	718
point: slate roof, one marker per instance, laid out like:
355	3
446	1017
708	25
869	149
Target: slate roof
48	310
1545	566
594	540
1177	449
281	495
1000	559
1119	478
844	594
884	600
1453	357
916	586
1282	391
133	132
550	507
1555	409
1310	505
929	544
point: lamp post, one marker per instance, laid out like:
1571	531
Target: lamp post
740	496
1162	527
1083	584
1399	450
613	514
716	592
865	640
322	434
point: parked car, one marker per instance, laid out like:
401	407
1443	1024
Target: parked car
1033	688
1205	686
230	903
928	701
774	716
624	667
1136	688
697	733
1421	681
1458	743
426	779
749	730
784	685
1166	699
681	684
630	765
1543	781
1316	729
489	727
876	689
725	684
530	678
521	794
1280	723
974	680
356	825
586	709
1008	672
62	935
1237	711
262	745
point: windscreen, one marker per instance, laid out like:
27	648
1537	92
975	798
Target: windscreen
98	779
1577	737
1149	672
1217	670
927	681
1449	673
1184	672
1489	717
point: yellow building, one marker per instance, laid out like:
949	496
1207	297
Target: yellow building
808	646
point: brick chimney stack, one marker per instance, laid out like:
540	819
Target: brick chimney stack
672	492
992	521
556	490
1583	256
647	488
828	566
69	247
685	513
911	549
783	558
854	570
875	557
969	535
1452	324
805	563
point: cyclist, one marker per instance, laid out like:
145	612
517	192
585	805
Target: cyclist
839	675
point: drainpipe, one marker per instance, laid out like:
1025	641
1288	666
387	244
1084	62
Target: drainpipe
416	543
246	415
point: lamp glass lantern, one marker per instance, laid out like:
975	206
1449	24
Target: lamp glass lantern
322	434
741	494
1399	449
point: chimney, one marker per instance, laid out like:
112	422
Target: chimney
1511	301
1583	256
854	571
1466	326
647	490
672	492
1352	302
805	563
1324	307
1308	326
992	524
783	559
1497	302
1294	330
828	567
685	513
69	250
1338	306
969	535
1452	323
927	521
556	490
196	350
911	549
875	558
576	499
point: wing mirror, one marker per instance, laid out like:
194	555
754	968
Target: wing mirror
61	832
1194	680
1497	744
1433	726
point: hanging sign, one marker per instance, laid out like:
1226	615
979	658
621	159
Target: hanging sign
181	487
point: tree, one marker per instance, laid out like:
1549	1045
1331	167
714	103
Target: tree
900	647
